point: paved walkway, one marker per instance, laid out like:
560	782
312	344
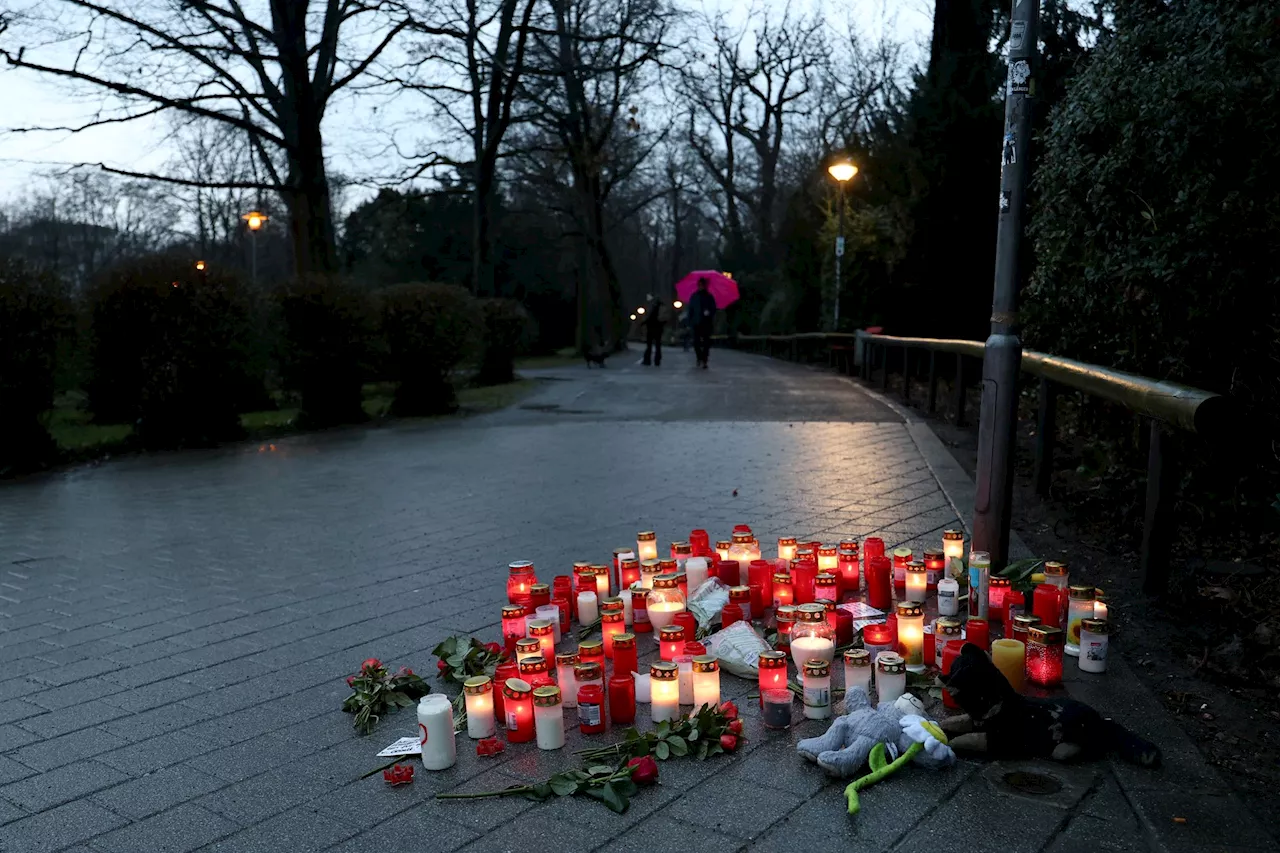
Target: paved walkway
174	630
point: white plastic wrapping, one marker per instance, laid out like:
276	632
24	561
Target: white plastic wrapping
738	647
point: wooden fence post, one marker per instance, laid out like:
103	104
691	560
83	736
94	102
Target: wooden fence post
1045	429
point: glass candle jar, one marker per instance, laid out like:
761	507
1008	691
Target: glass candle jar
998	594
828	556
847	568
684	672
670	642
1045	605
1021	625
646	545
505	670
777	708
879	580
844	627
829	609
588	607
826	587
979	584
513	627
948	597
479	701
872	546
901	556
891	677
681	551
760	573
857	670
1079	608
741	596
601	573
625	660
565	664
945	630
649	569
911	631
952	545
701	542
804	572
1055	573
697	570
878	638
551	613
588	673
783	592
643	694
628	572
786	549
1044	656
772	667
950	655
611	625
722	548
517	702
978	632
592	719
682	584
664	691
591	651
562	587
539	595
917	586
533	669
706	681
622	699
812	637
759	604
664	601
640	623
528	647
729	614
743	548
935	568
584	577
817	689
435	730
1094	634
785	618
1010	657
730	572
615	573
548	717
520	576
543	630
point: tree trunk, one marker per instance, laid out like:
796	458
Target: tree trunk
483	279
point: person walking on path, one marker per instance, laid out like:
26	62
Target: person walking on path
653	323
702	316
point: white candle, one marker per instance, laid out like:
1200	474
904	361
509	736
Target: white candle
548	718
602	582
857	671
917	582
661	614
647	545
948	597
626	607
642	687
817	692
808	648
479	699
435	730
552	614
664	690
684	663
891	677
706	681
695	568
568	683
588	609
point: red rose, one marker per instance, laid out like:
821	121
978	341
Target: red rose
493	648
644	770
408	671
489	746
401	774
728	742
371	665
441	665
729	710
735	727
351	681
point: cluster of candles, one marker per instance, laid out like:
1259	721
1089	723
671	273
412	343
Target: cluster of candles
643	593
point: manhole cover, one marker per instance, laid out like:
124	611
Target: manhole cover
1040	784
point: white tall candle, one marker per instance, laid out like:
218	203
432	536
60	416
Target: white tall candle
917	585
479	699
588	608
695	568
626	608
665	699
685	665
552	614
548	720
661	614
602	584
706	682
808	648
435	729
642	688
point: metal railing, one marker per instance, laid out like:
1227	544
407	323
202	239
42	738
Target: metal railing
1163	405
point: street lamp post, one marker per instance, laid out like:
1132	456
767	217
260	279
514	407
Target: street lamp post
254	221
998	417
843	172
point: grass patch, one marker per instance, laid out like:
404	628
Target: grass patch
561	358
271	420
493	397
72	428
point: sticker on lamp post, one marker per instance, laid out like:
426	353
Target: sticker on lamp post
839	247
1017	35
1019	77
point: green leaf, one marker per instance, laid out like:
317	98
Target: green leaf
702	750
693	734
663	729
662	750
540	791
613	799
626	787
563	787
679	747
599	770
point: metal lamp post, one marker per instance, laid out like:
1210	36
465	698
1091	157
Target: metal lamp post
998	418
843	172
254	221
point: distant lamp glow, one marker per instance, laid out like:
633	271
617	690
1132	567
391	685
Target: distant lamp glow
200	266
633	316
639	310
255	220
842	171
677	304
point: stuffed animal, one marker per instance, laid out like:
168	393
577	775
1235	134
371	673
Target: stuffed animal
885	738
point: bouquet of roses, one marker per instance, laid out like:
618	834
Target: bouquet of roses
466	657
375	691
711	730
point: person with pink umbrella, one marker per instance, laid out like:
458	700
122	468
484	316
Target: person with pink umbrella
702	316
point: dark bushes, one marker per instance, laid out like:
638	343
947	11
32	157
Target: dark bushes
35	316
329	330
429	329
506	328
172	351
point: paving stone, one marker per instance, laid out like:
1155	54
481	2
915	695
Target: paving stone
754	809
1089	834
12	737
1211	821
1007	823
37	793
303	828
64	749
9	812
662	833
178	830
72	718
59	828
157	791
150	755
412	831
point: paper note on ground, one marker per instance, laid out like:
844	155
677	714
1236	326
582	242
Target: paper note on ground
404	746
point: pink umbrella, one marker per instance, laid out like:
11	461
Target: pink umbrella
723	288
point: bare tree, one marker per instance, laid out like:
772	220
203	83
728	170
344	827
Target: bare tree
269	73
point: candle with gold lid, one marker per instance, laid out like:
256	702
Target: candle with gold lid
706	681
857	670
664	691
901	556
911	634
664	601
891	677
722	548
917	586
812	637
548	717
478	691
1044	656
646	545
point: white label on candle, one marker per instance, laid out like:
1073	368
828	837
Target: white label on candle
588	714
511	719
817	697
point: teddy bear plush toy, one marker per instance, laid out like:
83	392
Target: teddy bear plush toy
884	738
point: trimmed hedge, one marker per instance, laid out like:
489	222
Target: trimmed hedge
506	330
330	328
429	330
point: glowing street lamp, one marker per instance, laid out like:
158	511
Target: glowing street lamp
200	266
677	305
633	316
843	171
254	220
639	310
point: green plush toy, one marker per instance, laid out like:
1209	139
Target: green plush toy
925	737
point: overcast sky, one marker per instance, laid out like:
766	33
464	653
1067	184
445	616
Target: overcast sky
33	101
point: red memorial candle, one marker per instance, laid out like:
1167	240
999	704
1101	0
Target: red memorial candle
804	572
949	655
517	704
879	578
978	632
625	656
730	614
760	572
1047	605
622	699
520	576
773	672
